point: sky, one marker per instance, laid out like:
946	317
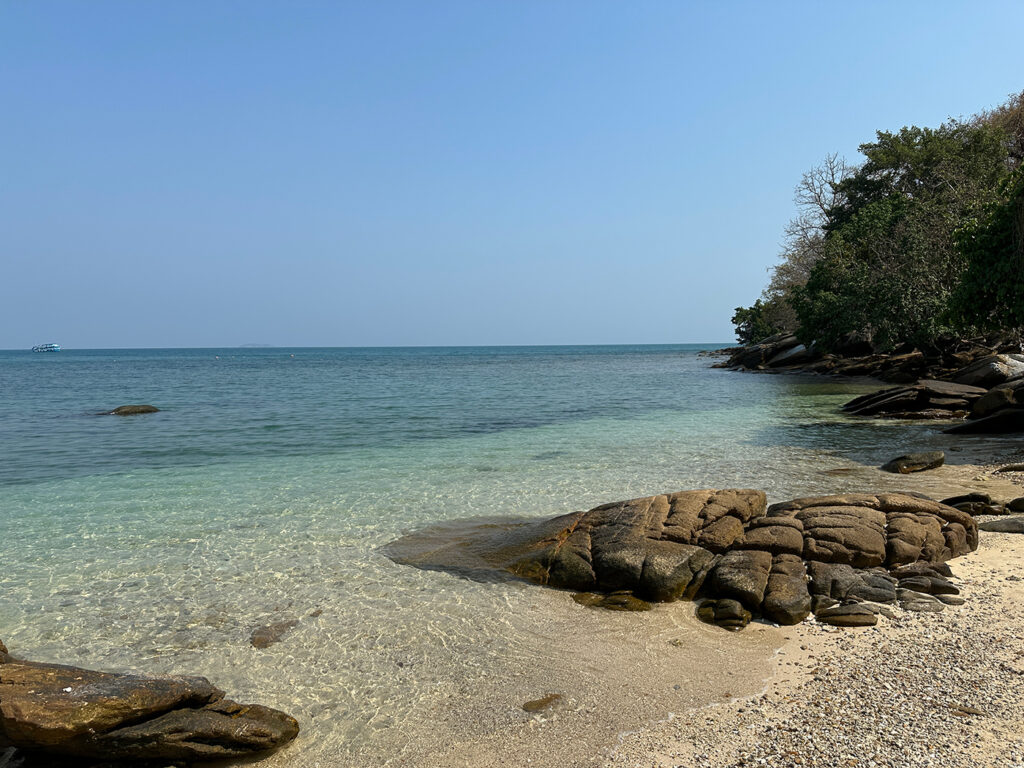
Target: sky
197	173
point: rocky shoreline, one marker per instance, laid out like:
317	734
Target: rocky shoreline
915	690
979	384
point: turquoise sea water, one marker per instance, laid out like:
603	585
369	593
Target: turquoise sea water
270	480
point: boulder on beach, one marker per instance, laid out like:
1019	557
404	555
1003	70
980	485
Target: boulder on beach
132	410
1008	395
1013	524
80	713
724	548
915	462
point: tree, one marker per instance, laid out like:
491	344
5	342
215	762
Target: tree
754	323
991	292
888	262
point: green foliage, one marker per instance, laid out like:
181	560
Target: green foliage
754	323
991	293
889	262
922	240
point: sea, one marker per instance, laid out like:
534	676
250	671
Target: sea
271	481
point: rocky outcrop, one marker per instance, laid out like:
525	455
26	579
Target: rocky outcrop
83	714
915	462
1008	395
991	371
132	410
724	548
981	362
926	399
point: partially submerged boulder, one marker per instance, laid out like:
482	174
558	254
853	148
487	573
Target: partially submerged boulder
725	548
132	410
915	462
80	713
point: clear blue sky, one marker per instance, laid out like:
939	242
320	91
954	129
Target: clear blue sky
374	173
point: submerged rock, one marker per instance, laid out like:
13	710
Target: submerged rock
777	562
267	635
80	713
544	702
616	601
915	462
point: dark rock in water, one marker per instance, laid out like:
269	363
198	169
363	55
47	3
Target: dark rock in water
728	614
850	615
780	562
133	410
1006	525
544	702
83	714
265	636
616	601
915	462
1002	422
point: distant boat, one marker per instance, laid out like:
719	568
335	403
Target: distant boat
46	348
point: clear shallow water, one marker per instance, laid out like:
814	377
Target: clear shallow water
271	479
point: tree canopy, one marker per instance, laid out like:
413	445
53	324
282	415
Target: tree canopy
920	240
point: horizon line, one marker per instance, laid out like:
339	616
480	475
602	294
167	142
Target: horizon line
385	346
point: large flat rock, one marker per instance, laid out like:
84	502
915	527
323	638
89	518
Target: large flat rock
81	713
721	546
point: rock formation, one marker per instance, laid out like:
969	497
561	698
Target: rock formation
926	399
915	462
86	715
723	548
132	410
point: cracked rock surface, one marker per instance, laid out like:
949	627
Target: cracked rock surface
83	714
730	551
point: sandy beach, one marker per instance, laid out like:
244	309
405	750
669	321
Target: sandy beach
918	689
